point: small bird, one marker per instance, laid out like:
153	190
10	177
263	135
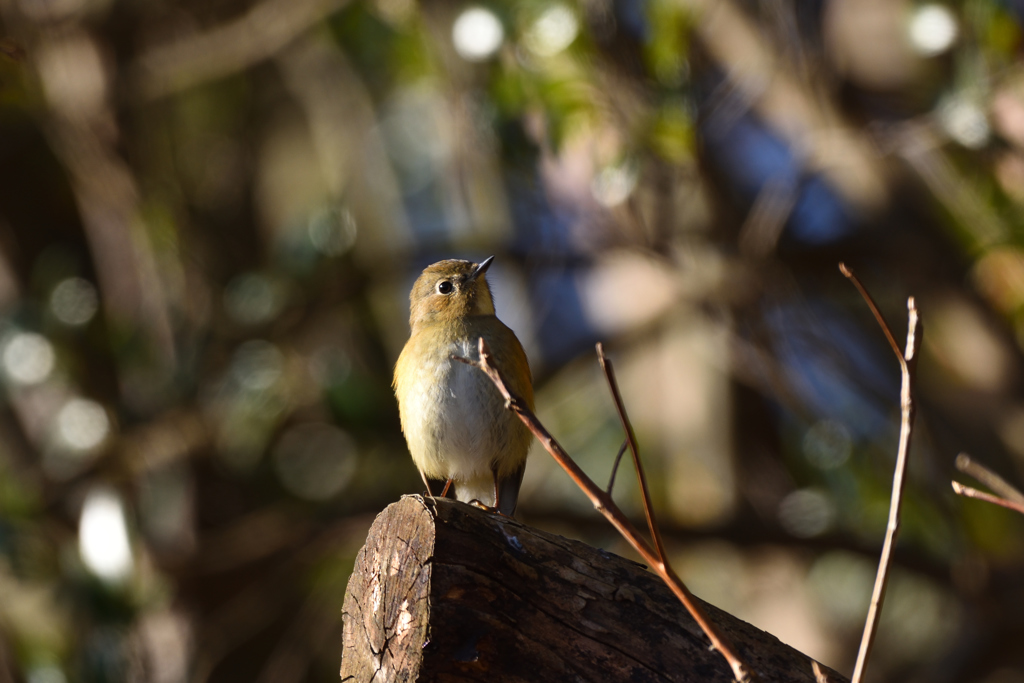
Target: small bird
453	417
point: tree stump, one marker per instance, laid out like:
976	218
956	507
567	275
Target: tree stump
464	595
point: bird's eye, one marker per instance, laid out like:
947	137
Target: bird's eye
445	287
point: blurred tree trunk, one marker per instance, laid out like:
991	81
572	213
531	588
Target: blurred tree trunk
466	595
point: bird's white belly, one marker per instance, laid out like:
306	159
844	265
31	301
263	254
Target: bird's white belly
454	436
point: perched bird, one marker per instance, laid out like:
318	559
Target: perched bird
453	417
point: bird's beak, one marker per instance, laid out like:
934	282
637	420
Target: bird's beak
481	268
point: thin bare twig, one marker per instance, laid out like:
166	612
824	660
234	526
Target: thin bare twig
620	408
615	465
969	492
604	504
906	430
1003	488
875	312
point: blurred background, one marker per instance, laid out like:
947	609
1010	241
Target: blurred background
211	214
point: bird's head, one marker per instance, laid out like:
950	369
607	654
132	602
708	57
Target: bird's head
449	291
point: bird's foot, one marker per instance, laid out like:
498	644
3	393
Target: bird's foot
431	503
513	404
487	508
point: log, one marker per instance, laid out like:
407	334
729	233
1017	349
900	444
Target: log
454	593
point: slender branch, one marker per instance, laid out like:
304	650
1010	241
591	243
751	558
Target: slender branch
645	490
615	465
877	313
968	492
1003	488
604	504
906	431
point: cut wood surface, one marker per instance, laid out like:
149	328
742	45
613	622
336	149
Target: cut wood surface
454	593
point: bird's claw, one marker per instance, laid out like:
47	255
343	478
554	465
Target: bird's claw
512	403
487	508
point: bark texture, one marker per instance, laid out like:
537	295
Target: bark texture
464	595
